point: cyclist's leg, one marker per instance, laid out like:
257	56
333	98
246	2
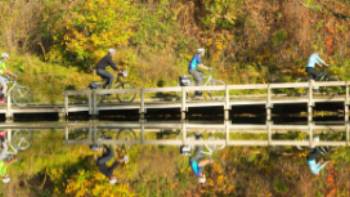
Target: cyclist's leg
312	74
3	82
204	162
106	76
4	152
199	155
108	155
198	78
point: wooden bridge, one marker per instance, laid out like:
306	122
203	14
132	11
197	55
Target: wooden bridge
179	98
180	133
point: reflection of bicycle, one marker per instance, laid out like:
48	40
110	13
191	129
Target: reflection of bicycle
119	83
19	93
19	141
126	135
209	150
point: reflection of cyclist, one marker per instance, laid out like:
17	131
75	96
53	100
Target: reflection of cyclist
108	155
103	64
4	154
314	154
196	64
315	167
4	71
198	162
314	60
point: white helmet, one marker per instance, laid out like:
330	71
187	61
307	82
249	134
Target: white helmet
202	179
6	180
113	181
5	55
111	51
125	159
316	140
185	150
201	51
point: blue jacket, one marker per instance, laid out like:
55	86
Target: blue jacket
196	60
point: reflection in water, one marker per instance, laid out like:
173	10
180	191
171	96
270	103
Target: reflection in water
84	158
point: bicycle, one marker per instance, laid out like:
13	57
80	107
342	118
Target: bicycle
119	83
19	94
19	141
322	76
208	79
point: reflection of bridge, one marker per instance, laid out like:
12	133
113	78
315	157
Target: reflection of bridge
179	133
226	98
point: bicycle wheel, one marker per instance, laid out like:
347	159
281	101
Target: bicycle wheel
127	97
127	136
20	95
21	140
212	148
213	82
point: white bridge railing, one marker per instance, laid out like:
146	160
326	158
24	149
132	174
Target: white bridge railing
227	96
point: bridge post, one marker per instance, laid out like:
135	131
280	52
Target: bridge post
183	103
9	112
269	132
269	104
184	132
90	102
347	128
311	102
94	108
142	110
346	103
142	136
311	133
66	104
66	133
227	106
227	132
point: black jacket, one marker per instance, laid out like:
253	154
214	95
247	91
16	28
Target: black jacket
106	61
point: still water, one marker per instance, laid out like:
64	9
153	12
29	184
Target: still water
62	158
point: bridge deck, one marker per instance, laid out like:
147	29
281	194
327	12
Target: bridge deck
223	96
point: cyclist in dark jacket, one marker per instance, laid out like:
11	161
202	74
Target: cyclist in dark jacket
101	162
103	64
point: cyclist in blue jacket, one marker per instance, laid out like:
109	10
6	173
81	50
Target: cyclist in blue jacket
196	64
314	60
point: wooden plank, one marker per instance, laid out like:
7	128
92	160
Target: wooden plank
289	85
330	83
205	88
164	89
117	91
